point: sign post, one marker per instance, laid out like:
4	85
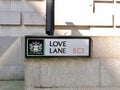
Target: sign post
57	46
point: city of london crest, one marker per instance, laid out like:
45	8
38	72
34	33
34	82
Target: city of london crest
35	47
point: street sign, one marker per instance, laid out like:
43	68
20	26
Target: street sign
57	46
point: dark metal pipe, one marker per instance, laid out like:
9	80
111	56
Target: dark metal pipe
50	17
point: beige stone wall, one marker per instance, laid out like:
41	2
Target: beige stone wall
99	72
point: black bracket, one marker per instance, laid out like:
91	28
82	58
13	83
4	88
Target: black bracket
50	17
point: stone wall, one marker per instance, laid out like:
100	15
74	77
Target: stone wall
98	19
17	19
99	72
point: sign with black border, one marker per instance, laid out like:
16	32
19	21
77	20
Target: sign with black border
54	46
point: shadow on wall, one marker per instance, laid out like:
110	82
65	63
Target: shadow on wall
74	32
12	59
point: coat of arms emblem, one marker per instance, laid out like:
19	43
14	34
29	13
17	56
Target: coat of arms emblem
36	47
